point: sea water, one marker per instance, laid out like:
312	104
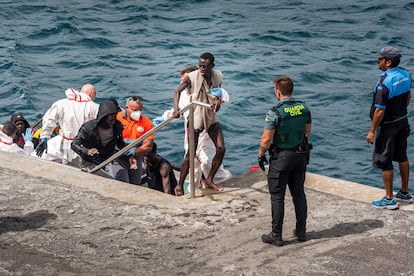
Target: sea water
138	48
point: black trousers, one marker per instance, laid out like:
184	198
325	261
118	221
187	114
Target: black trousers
287	169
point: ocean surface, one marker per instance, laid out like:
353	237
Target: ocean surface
138	48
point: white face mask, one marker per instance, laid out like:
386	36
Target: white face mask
136	115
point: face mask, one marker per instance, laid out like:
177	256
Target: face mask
135	115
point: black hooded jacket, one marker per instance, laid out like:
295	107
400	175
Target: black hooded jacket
88	136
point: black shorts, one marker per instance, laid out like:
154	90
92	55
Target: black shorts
391	144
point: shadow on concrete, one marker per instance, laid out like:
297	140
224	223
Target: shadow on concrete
341	229
347	228
30	221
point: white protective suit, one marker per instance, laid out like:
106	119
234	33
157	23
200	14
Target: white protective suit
6	144
205	150
69	114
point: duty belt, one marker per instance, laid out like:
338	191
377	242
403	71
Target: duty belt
275	151
301	148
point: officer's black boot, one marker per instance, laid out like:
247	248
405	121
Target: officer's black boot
272	238
301	235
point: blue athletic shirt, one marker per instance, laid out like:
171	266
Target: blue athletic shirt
390	93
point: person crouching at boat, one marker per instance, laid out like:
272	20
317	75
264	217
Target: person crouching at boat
69	113
159	172
98	139
8	133
135	125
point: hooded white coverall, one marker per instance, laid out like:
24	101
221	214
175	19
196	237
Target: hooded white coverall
69	114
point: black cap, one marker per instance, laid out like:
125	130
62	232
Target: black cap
389	52
19	117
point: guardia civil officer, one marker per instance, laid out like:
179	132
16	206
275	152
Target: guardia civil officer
286	132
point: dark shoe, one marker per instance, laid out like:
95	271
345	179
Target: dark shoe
300	235
272	239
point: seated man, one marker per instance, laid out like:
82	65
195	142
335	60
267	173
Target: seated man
21	125
8	133
135	125
159	172
98	139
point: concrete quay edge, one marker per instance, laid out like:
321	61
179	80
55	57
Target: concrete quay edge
132	194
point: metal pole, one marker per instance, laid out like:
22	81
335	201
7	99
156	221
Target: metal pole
130	146
140	139
191	151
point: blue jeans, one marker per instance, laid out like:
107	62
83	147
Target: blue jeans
287	169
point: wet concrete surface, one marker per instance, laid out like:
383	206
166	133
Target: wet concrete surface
57	220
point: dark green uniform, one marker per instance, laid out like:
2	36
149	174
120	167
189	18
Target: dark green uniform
288	161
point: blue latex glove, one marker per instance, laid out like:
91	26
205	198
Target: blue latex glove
28	135
130	152
41	147
216	92
157	121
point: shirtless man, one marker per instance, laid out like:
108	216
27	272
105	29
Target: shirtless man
199	83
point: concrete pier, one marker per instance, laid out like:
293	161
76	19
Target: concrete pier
58	220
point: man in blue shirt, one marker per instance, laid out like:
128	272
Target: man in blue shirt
390	127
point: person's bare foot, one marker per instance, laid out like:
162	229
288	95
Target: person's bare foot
178	191
215	187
